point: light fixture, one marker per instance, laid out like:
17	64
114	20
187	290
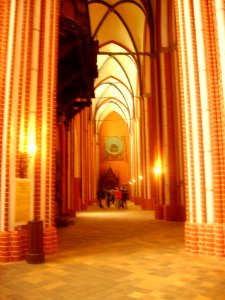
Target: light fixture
31	149
158	168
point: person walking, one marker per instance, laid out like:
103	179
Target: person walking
99	197
118	195
124	198
108	198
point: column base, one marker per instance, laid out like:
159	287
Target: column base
205	239
35	258
170	212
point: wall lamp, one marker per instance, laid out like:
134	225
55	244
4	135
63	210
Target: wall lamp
158	168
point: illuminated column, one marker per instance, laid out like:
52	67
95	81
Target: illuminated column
165	98
138	159
96	157
146	165
207	148
7	15
136	167
7	12
28	120
216	108
142	157
152	150
77	162
16	100
63	163
133	158
92	160
194	165
148	133
92	170
168	152
87	155
138	155
69	160
220	18
202	125
84	158
46	123
31	135
155	137
150	146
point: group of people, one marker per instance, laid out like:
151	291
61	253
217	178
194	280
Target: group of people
117	197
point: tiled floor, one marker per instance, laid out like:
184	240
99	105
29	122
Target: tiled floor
117	255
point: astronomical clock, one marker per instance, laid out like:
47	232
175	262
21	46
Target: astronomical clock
114	147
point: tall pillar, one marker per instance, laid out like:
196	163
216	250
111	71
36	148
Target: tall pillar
46	123
27	123
202	125
167	164
84	159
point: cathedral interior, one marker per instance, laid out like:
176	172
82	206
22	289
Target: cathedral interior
113	96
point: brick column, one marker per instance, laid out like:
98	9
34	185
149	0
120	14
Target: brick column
202	126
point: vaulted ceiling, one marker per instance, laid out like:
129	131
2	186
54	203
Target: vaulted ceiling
123	31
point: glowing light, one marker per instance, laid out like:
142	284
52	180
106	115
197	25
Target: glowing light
22	142
133	180
140	177
158	168
31	148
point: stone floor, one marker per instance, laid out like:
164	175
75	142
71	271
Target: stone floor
113	254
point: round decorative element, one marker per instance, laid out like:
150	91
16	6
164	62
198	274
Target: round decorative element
114	145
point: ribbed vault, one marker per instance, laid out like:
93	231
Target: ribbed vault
122	29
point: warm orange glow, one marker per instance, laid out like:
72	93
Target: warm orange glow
158	168
22	142
140	177
31	145
31	149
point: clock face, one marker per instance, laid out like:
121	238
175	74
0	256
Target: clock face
113	145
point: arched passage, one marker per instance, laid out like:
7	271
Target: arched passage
137	78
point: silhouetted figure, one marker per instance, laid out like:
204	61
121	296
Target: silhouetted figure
108	197
113	196
99	197
124	198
